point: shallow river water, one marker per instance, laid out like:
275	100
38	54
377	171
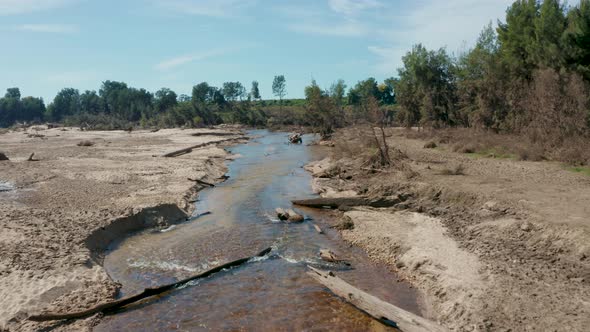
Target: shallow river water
269	294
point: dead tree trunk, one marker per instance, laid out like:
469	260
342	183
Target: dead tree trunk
190	149
382	311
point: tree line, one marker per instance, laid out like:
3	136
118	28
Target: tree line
117	105
528	76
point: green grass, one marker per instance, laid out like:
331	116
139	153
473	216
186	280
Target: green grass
491	153
580	169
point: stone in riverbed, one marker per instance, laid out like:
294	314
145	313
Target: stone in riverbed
289	215
294	216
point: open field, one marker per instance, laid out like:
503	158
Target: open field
494	244
59	213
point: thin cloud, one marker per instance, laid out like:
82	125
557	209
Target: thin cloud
47	28
217	8
15	7
352	7
343	30
185	59
452	24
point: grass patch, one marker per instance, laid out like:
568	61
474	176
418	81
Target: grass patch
491	153
580	169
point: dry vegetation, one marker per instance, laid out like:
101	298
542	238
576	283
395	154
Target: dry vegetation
489	144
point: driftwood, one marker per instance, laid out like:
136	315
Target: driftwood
190	149
329	256
337	202
214	133
148	292
318	229
382	311
31	157
201	182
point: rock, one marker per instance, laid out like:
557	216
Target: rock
526	226
289	215
3	156
282	214
294	216
490	205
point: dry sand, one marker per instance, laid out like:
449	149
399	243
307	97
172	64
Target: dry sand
58	214
504	247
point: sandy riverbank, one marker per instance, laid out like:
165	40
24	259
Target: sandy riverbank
59	213
504	246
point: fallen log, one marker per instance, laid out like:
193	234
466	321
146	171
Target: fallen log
148	292
201	182
180	152
382	311
214	133
337	202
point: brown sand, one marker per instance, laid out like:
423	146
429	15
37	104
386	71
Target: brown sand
505	247
66	208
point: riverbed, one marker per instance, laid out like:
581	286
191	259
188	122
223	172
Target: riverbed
271	293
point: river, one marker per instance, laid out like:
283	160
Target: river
272	293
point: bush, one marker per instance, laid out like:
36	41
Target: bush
430	145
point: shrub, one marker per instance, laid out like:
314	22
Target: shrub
430	145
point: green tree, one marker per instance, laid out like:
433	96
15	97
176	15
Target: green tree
279	88
91	103
426	88
320	110
518	37
550	25
65	103
577	38
115	96
232	91
254	91
32	109
165	99
12	93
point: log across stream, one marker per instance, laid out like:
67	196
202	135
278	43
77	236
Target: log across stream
270	293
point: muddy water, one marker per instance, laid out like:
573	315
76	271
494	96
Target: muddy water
273	293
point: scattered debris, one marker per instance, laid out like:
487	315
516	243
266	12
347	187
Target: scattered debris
295	138
31	157
329	256
318	229
201	182
85	143
6	186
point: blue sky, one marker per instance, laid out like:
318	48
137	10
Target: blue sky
51	44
